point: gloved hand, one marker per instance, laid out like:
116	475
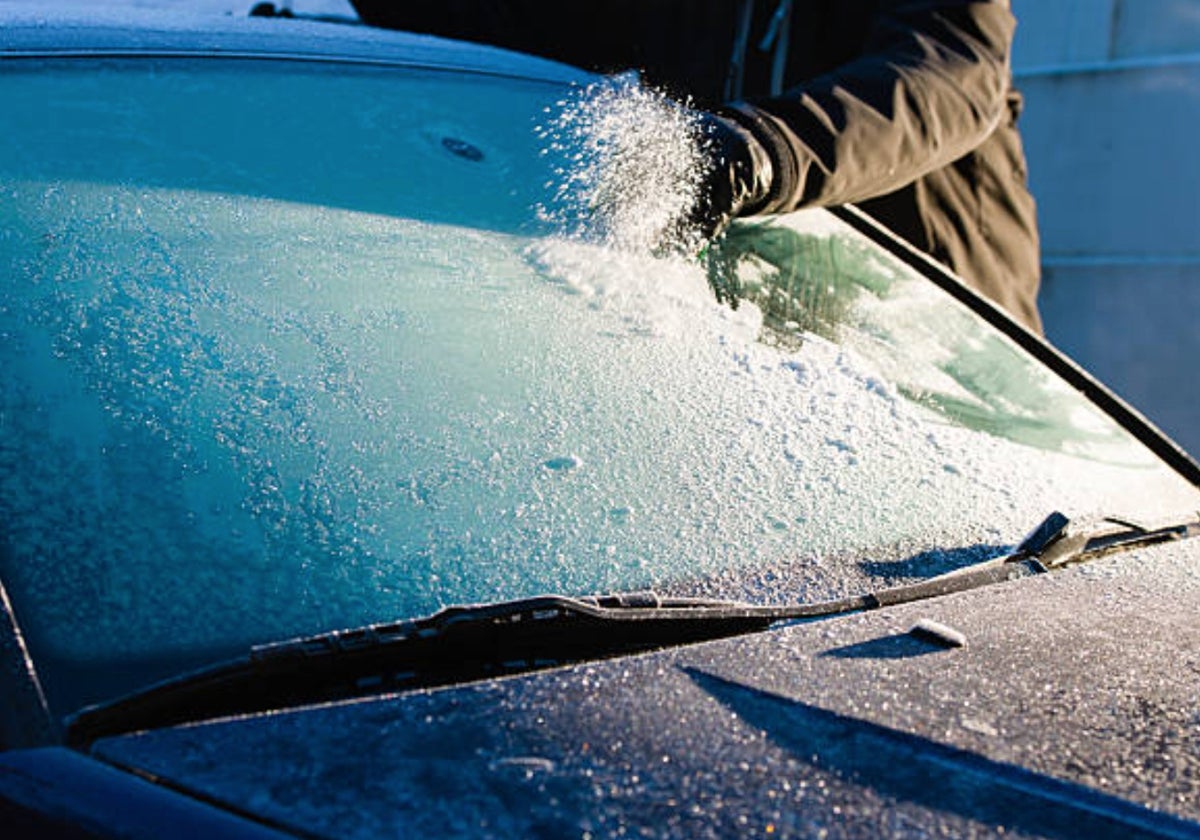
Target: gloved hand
739	177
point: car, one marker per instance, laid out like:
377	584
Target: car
357	484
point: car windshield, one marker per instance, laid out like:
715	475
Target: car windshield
289	347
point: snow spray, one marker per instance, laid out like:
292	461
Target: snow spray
627	166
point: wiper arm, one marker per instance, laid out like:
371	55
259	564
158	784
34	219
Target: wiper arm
464	643
1068	549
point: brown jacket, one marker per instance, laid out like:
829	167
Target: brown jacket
912	116
903	107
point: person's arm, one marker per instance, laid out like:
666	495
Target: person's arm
931	86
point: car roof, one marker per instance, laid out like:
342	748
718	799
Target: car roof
30	29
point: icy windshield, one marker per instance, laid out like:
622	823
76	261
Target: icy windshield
291	347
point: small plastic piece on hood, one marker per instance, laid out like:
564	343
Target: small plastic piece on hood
938	633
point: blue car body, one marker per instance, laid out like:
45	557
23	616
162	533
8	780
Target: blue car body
290	356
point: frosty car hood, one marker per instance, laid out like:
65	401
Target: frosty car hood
1071	709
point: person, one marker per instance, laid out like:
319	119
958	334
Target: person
905	108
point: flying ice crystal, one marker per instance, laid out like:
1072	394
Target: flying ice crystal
628	165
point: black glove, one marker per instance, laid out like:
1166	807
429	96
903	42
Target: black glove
740	174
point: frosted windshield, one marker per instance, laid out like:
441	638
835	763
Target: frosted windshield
287	349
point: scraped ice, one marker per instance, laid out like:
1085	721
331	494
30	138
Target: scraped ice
655	296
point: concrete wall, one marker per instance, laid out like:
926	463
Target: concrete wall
1056	32
1111	125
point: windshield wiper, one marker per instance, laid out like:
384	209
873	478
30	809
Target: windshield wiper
465	643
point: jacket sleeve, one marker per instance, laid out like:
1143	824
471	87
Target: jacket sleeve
928	88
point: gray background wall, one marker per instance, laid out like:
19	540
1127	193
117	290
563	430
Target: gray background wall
1111	123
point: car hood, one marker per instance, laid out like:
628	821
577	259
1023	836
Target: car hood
1071	707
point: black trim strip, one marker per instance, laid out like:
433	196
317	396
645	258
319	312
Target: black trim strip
125	53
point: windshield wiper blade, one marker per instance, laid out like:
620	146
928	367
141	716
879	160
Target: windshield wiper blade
466	643
456	645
